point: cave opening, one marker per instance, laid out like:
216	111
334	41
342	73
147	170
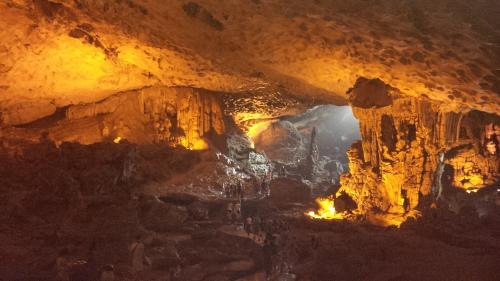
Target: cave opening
188	140
168	162
311	145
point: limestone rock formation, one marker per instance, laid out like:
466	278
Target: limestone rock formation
55	53
393	168
178	116
370	93
281	142
471	170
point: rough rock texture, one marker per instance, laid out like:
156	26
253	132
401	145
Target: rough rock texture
370	93
161	217
183	116
282	142
91	200
393	168
59	52
261	105
73	196
472	170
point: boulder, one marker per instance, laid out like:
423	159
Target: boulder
161	217
198	211
344	203
281	141
284	190
368	93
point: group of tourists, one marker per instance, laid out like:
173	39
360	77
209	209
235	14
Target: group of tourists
233	191
233	212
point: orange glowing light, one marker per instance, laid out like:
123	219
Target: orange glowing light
326	210
117	140
197	144
253	124
255	130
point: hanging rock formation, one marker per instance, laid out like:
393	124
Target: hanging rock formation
178	116
281	142
55	53
392	169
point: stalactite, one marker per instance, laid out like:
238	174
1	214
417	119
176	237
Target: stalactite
401	146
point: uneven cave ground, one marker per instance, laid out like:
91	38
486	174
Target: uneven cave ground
89	199
262	140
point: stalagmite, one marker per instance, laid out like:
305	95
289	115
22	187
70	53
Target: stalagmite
249	140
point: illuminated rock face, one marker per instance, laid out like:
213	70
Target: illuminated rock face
281	142
183	116
394	162
55	53
473	171
394	167
127	69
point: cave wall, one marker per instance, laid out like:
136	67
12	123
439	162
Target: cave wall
282	142
174	115
392	170
55	53
395	157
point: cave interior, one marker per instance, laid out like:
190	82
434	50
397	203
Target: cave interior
260	140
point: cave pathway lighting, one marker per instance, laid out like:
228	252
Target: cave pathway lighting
255	130
326	210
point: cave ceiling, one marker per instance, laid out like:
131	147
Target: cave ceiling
61	52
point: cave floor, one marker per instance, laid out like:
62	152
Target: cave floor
215	249
189	237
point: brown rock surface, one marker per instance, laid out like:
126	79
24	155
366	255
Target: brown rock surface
43	214
177	116
64	52
281	141
393	168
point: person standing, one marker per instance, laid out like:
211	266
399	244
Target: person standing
248	226
108	273
437	187
229	212
240	191
237	212
137	253
62	265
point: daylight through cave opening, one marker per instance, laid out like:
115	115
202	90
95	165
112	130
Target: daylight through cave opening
249	140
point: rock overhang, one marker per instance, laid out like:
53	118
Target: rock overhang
56	53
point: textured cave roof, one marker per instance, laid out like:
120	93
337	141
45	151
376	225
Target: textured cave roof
60	52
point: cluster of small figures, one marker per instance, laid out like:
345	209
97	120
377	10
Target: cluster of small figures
270	234
273	236
237	191
233	191
491	140
257	230
264	187
233	212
